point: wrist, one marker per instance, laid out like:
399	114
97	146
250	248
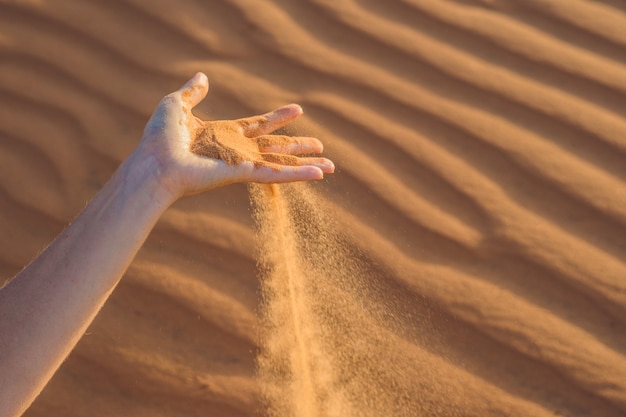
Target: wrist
143	178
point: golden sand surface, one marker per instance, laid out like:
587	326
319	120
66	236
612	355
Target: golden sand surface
478	207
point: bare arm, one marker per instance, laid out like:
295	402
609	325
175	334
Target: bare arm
46	308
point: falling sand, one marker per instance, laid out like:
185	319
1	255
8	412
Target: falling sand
328	335
327	331
320	355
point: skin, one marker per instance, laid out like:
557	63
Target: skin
47	307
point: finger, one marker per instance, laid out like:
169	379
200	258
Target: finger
326	165
289	145
269	122
279	173
194	90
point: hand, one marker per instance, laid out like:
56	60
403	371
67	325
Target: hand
192	155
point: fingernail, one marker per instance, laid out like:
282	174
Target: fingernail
287	112
298	107
327	166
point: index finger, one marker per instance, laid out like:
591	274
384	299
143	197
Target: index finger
267	123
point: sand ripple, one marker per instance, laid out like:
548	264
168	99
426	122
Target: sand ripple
480	147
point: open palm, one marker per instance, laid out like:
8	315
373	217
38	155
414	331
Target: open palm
193	155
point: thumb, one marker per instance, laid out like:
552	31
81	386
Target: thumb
194	90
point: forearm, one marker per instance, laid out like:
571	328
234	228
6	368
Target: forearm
46	308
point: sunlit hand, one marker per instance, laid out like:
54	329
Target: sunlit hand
191	155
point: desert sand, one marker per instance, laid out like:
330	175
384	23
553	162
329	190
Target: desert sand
476	219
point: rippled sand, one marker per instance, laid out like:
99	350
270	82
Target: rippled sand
480	149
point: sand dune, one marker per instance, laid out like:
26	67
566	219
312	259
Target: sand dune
480	148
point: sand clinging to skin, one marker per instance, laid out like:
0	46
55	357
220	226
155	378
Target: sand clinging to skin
223	140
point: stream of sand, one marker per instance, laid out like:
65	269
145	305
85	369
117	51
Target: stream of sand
330	323
322	353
